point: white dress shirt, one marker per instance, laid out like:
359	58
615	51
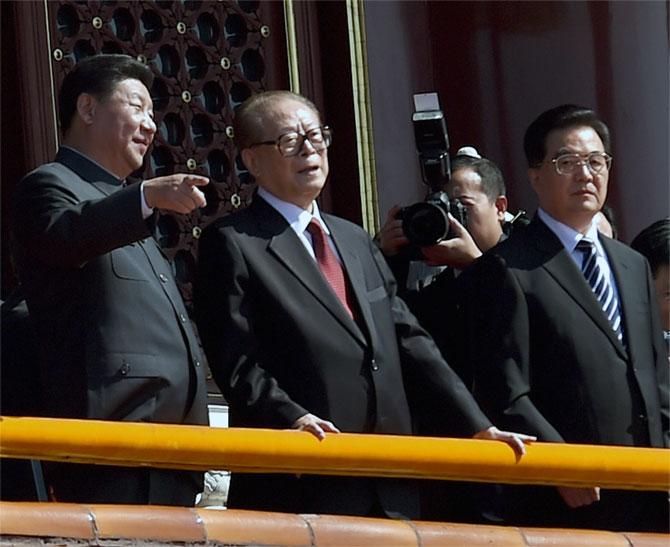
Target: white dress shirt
298	219
569	237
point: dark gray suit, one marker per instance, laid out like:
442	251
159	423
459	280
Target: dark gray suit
547	362
115	337
281	345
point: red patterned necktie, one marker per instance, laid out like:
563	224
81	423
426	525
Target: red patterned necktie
329	265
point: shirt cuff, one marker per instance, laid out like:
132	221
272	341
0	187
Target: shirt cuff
146	210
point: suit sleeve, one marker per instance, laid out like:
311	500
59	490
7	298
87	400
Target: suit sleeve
224	309
426	373
496	318
57	228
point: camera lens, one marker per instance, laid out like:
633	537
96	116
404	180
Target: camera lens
425	224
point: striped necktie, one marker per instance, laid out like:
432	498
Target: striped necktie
600	285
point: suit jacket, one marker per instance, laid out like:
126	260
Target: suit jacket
280	345
115	337
546	360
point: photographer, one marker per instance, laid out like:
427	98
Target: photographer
429	286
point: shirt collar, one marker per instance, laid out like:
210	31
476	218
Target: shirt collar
297	217
569	237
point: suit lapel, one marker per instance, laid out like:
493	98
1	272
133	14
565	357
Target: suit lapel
285	246
356	276
558	263
628	304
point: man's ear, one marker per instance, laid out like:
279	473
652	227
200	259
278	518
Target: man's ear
86	104
251	161
501	206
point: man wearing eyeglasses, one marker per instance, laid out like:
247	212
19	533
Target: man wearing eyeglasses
572	350
301	325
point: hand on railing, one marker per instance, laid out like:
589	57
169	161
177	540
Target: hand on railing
578	497
315	425
515	440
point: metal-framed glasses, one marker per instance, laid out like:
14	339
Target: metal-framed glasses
290	144
566	164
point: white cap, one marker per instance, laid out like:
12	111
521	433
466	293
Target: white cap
468	151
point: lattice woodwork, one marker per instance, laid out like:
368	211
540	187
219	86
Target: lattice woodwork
207	58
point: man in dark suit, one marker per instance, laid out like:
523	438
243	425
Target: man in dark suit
114	336
299	318
556	358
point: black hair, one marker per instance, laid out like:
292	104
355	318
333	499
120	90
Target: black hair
560	117
248	122
493	183
654	243
608	213
98	75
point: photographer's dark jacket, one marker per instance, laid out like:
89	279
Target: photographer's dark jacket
433	295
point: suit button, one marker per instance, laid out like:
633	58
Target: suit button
125	368
163	278
374	366
182	318
642	417
197	363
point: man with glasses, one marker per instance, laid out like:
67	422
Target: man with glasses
301	325
572	350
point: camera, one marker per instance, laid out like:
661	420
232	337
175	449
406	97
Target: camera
427	222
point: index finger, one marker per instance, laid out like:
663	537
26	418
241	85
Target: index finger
196	180
457	226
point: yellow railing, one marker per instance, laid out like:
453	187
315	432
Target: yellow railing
260	450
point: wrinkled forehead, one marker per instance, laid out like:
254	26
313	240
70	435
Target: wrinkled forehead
287	115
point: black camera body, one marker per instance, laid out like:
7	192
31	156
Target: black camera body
426	222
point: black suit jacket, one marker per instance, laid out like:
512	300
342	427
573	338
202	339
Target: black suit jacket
281	345
115	337
545	358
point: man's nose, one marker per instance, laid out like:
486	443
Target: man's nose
584	170
149	124
307	148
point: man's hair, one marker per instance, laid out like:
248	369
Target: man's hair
249	116
561	117
98	76
609	215
654	243
493	183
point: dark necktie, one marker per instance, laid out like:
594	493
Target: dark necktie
329	265
600	285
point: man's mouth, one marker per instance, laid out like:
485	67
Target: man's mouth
585	191
142	140
309	170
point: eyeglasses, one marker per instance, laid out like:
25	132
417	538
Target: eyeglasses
290	144
566	164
